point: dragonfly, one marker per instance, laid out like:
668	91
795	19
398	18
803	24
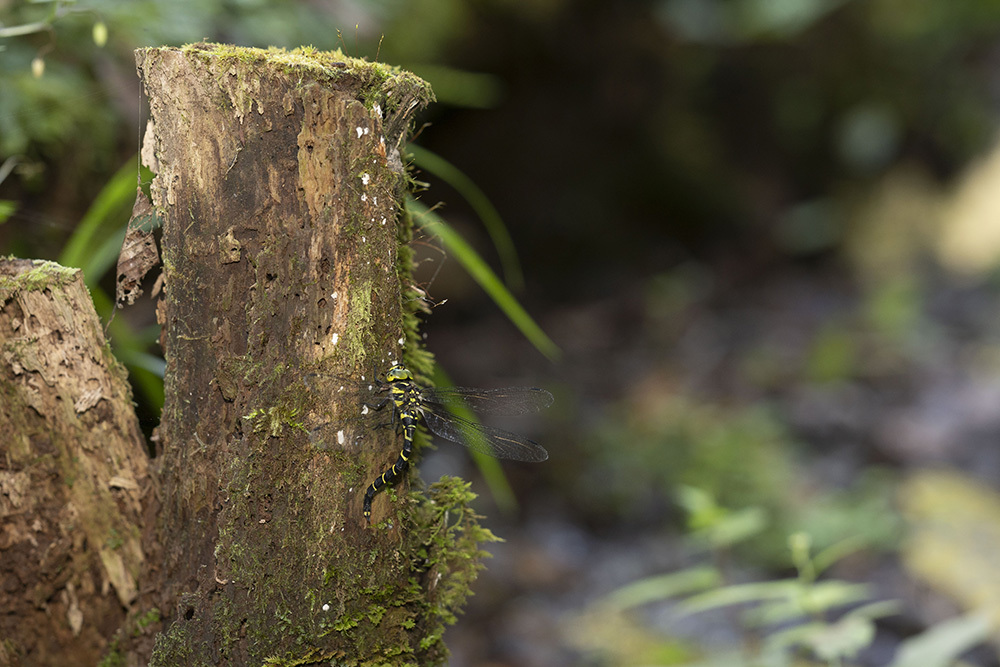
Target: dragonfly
441	410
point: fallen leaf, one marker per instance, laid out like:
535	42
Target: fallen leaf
139	253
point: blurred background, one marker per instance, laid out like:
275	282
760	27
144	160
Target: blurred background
765	237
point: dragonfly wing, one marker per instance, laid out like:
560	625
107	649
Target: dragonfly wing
485	439
503	401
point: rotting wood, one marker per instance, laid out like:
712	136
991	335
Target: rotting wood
279	181
73	473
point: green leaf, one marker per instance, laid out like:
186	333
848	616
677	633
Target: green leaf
728	596
829	641
807	600
835	552
480	203
94	244
7	167
876	609
7	208
663	587
942	644
484	275
733	528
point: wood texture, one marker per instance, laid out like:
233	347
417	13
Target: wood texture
73	473
278	180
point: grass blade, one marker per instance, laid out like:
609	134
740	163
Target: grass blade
480	203
487	279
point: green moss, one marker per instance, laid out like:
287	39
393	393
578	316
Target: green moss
114	540
417	358
43	275
347	622
174	648
151	617
375	83
113	656
275	419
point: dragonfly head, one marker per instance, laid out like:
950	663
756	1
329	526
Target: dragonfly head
398	372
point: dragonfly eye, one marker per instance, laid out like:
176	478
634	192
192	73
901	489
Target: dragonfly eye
398	372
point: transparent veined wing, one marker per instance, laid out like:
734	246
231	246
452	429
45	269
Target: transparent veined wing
502	401
484	439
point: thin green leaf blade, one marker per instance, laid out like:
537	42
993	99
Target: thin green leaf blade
943	643
481	204
106	219
486	278
663	587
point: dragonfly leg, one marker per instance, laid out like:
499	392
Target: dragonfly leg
381	404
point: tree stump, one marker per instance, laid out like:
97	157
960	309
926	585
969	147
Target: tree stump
73	473
279	183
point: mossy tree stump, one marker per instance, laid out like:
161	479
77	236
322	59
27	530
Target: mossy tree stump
279	182
74	477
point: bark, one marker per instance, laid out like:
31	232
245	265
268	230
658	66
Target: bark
279	182
73	473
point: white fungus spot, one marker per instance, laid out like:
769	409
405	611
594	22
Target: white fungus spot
365	178
401	341
326	607
364	240
360	131
341	438
335	295
335	338
364	197
364	410
377	109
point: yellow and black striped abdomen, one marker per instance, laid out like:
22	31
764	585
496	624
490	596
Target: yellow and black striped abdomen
406	401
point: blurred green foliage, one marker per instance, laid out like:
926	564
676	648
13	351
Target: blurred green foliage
806	619
661	448
645	449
